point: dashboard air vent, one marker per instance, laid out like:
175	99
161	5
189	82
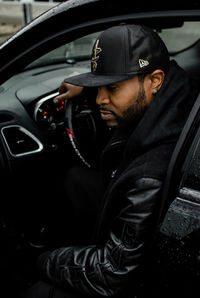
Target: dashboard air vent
20	141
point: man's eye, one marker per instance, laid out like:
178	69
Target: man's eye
112	87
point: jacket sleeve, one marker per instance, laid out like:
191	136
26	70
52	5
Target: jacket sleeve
105	270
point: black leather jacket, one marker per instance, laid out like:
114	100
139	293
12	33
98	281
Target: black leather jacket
128	217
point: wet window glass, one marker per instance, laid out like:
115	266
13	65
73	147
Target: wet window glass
182	220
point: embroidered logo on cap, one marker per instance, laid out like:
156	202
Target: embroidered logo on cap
95	57
143	63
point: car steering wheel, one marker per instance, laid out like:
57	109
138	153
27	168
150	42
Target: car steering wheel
79	119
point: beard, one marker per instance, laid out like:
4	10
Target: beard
133	114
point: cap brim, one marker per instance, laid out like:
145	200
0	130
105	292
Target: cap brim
96	80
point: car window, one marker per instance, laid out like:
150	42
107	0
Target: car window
178	39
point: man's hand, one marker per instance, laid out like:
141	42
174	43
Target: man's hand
67	91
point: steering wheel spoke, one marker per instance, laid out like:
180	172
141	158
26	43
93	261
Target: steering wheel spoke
81	129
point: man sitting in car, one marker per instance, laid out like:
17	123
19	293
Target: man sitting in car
145	99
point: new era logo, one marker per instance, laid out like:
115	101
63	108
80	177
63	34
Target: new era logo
143	63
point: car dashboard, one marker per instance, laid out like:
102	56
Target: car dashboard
28	115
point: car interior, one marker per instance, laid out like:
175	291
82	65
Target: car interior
40	141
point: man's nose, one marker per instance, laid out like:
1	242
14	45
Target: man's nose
102	96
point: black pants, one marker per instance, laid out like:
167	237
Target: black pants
74	224
45	290
84	189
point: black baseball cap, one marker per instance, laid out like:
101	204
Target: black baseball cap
122	52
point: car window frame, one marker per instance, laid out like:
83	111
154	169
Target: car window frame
174	176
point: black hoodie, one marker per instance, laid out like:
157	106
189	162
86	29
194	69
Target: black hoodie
162	122
145	150
138	159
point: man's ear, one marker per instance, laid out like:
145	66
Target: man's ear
157	78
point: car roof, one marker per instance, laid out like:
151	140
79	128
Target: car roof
104	8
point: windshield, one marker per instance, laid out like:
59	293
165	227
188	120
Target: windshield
176	40
77	50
